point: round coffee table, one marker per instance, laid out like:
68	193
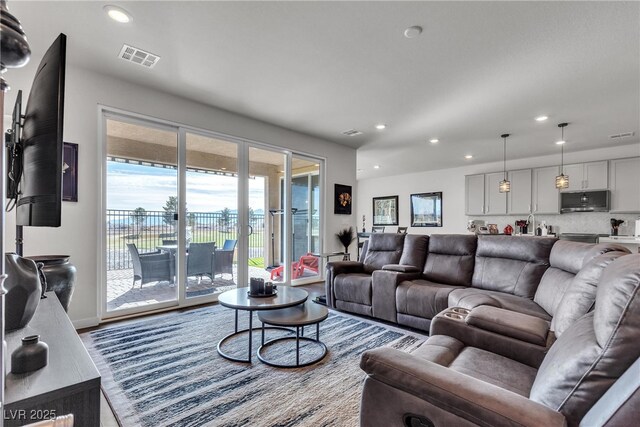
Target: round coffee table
238	299
299	316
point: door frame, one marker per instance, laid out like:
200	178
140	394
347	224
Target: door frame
103	113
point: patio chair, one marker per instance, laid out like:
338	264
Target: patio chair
307	261
223	258
200	259
150	266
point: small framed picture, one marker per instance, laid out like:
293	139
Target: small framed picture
385	210
342	199
493	228
426	210
70	172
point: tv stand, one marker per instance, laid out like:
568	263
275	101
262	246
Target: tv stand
69	384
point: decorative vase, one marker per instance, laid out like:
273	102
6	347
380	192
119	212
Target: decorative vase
23	291
32	355
60	276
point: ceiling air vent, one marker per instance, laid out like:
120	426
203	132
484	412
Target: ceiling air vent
138	56
352	132
622	135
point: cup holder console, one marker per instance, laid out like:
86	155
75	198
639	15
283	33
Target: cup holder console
456	313
452	315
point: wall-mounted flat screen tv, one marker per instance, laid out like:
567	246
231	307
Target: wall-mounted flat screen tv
40	200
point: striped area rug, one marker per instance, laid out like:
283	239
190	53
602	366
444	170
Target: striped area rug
165	371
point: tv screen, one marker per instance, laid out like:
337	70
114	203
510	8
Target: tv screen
40	201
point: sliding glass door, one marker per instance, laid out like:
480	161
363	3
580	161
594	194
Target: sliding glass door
141	207
211	216
190	214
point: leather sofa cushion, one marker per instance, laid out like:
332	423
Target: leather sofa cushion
415	250
471	297
597	349
566	260
450	259
383	249
422	298
581	293
441	349
495	369
510	323
355	287
511	264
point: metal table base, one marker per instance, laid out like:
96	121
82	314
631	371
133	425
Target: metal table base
299	337
250	330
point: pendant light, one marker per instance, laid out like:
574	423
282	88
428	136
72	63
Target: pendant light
562	180
505	185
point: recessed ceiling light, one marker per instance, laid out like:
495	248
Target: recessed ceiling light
468	156
412	32
541	118
381	126
317	165
281	171
118	14
434	140
376	166
224	169
560	142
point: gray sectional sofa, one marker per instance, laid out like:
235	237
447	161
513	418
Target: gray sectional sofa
409	279
523	330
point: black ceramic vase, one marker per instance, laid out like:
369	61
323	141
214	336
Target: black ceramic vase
23	291
60	276
32	355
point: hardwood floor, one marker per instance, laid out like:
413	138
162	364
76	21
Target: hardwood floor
107	417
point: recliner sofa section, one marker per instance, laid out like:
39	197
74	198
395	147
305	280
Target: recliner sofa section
568	288
427	274
448	381
349	283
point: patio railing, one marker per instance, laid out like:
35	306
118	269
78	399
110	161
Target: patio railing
148	229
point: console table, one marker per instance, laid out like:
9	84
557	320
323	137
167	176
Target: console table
69	384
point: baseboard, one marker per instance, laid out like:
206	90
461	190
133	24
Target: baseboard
89	322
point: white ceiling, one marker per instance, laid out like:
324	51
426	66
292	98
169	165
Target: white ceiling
479	69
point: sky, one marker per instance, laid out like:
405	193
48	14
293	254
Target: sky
130	186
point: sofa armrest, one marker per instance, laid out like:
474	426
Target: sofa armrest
510	323
383	292
453	324
335	268
466	397
401	268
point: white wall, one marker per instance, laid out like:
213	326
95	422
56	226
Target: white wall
452	184
80	228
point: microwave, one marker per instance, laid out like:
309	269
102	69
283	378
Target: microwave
585	201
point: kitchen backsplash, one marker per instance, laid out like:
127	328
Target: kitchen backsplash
578	222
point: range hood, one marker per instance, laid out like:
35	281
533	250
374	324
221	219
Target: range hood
584	201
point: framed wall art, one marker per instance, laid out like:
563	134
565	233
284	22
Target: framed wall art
70	172
426	210
342	199
385	210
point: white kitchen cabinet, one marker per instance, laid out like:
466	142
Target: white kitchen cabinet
624	179
474	198
546	197
495	202
519	198
587	176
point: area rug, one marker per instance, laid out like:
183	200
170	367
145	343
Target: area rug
165	371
